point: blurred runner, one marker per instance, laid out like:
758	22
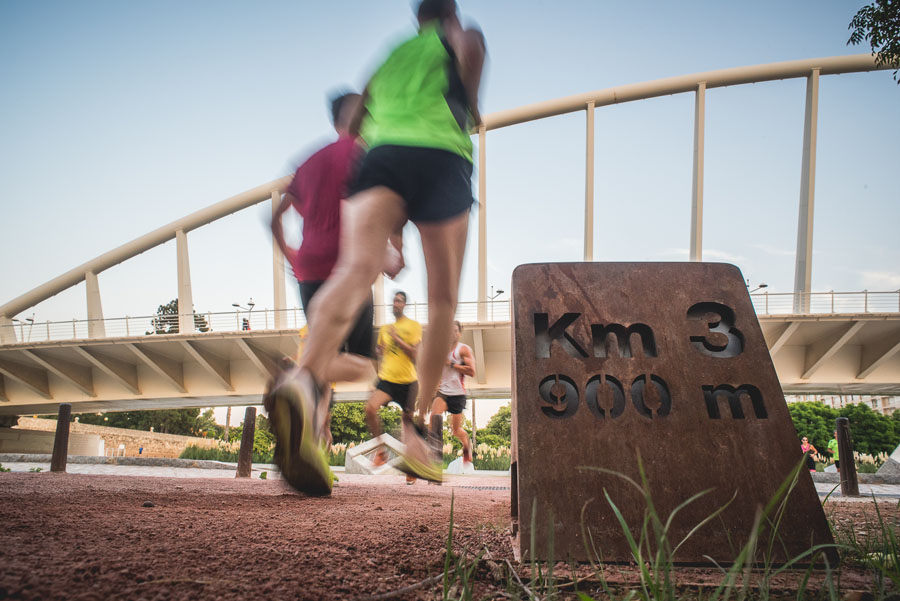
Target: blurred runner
451	397
421	104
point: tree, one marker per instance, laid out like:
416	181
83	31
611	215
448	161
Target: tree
879	24
498	431
815	421
166	320
348	422
871	432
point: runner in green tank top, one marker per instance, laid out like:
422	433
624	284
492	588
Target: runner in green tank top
421	103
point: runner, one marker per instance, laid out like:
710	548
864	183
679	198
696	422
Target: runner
315	193
398	344
421	104
451	397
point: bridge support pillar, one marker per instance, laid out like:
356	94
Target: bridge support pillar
96	327
803	269
278	274
7	331
61	440
482	225
245	456
185	299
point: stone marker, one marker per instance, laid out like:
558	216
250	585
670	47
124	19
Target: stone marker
245	455
665	360
60	454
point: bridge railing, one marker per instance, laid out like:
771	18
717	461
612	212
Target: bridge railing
226	321
765	303
779	303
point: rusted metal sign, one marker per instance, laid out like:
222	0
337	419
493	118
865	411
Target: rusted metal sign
665	361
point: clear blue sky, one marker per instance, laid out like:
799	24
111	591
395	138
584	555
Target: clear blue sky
119	117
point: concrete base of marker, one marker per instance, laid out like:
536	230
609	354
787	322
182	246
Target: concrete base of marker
360	459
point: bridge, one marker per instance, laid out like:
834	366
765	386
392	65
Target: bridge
821	342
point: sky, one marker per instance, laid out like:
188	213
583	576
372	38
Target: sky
119	117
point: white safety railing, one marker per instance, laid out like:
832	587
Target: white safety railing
767	303
228	321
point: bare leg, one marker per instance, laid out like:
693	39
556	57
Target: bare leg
438	406
347	367
456	424
367	220
377	400
444	245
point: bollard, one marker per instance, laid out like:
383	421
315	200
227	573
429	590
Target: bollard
61	440
245	457
849	481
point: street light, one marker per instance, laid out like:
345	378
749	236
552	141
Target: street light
492	297
760	287
248	309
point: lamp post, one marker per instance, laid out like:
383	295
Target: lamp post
492	297
248	309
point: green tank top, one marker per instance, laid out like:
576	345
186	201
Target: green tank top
416	98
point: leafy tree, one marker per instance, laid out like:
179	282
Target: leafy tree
263	437
207	426
815	421
498	431
348	422
872	433
166	320
879	24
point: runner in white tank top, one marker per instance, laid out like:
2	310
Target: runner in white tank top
451	397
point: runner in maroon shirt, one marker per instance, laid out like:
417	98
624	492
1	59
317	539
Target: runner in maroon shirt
316	192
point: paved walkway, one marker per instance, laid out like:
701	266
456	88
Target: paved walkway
482	479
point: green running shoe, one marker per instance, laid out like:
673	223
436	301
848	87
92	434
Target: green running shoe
295	412
418	458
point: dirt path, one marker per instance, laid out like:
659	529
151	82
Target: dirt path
69	536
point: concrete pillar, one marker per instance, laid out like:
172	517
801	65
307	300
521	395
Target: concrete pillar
697	186
7	331
61	440
482	226
588	185
278	274
185	299
96	327
378	294
803	269
245	456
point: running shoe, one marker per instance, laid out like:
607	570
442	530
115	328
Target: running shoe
418	458
296	416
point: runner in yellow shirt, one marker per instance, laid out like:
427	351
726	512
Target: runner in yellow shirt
397	346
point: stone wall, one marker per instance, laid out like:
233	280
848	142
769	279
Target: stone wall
15	440
154	443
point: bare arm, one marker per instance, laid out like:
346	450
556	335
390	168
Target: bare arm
467	366
469	47
277	228
356	119
411	350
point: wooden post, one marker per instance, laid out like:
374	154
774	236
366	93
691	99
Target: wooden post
245	457
849	481
61	441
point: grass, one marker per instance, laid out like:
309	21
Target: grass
874	547
221	453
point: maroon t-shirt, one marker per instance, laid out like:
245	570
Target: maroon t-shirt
318	187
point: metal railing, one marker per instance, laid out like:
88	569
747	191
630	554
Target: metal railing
765	303
779	303
227	321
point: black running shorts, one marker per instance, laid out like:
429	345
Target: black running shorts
435	184
402	394
360	340
456	403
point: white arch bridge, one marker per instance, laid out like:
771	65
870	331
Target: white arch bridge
821	342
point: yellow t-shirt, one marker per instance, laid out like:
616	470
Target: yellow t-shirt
396	366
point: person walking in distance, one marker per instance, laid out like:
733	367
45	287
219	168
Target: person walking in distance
451	397
420	106
833	449
398	344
